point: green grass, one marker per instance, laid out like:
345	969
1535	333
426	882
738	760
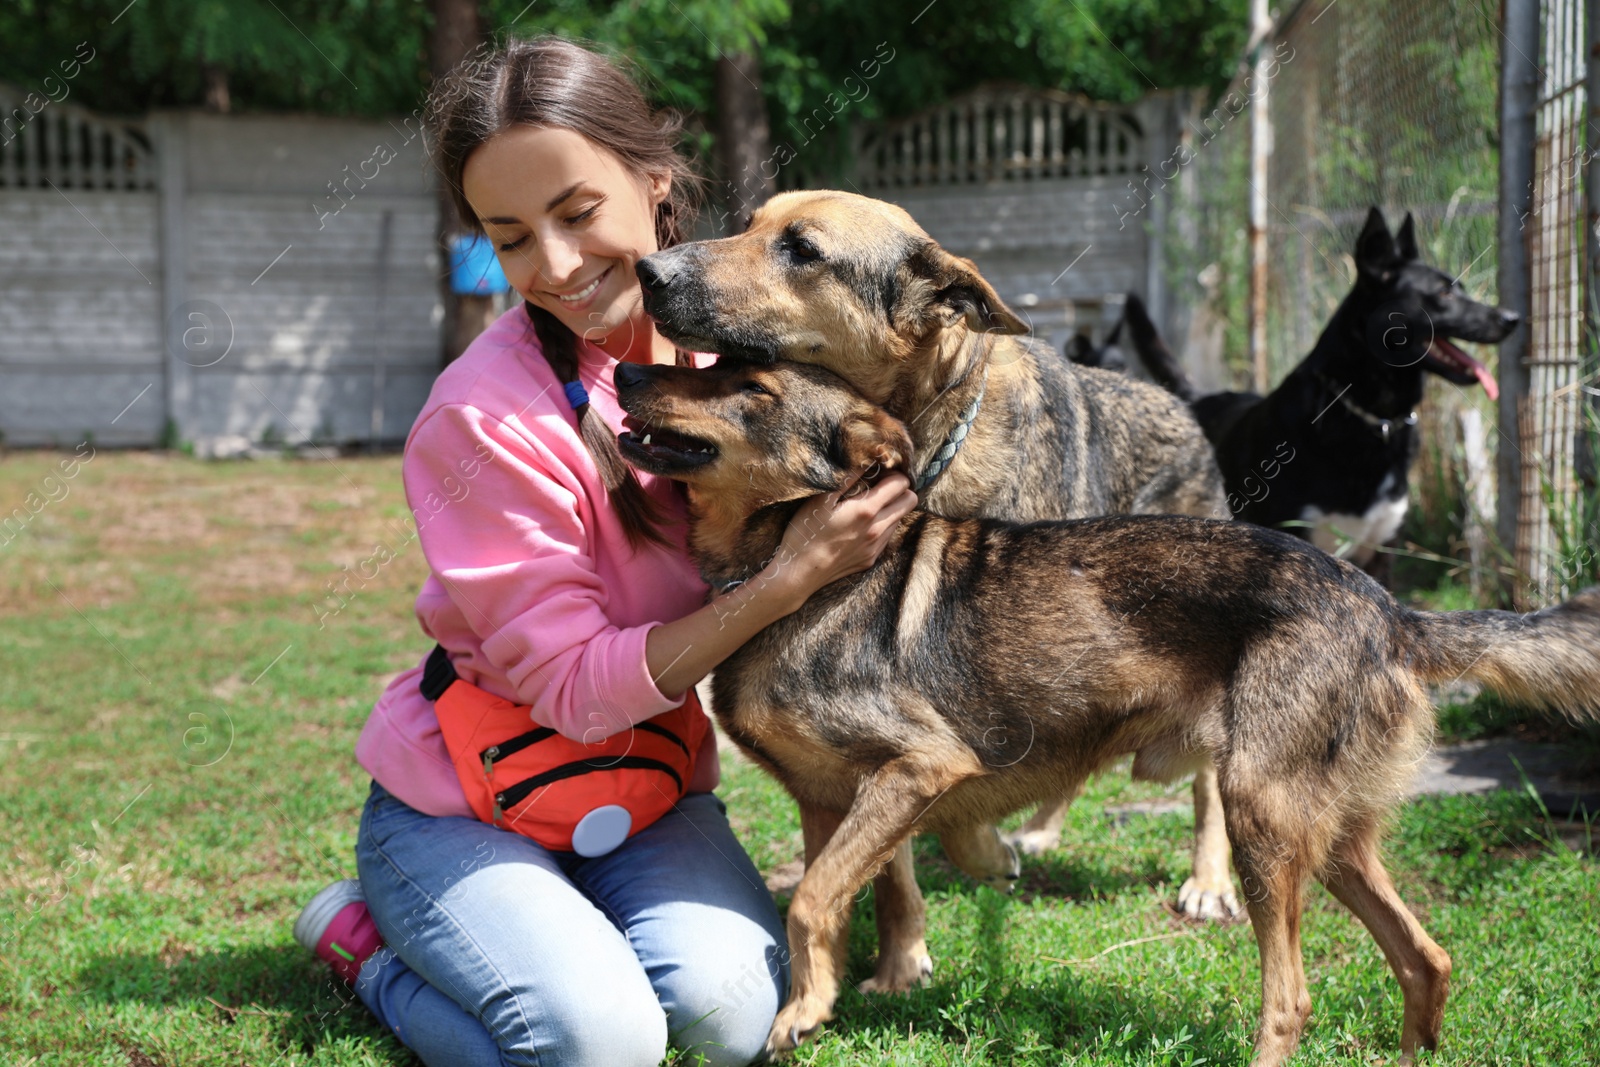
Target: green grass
178	780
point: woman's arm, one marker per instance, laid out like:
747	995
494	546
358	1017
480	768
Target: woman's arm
508	541
509	549
853	531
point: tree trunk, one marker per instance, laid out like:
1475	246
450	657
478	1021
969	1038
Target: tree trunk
216	94
457	30
743	139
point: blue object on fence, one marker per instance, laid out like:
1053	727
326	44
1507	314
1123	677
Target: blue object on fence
474	270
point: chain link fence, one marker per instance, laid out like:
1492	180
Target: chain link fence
1397	105
1556	518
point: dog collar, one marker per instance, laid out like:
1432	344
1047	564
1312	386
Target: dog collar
1385	427
952	443
936	466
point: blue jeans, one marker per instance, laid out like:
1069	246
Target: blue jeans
500	951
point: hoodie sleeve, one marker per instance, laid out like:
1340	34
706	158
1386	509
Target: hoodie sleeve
510	547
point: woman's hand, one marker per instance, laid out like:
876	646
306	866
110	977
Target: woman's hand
839	534
830	537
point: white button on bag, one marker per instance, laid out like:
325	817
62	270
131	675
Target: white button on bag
602	830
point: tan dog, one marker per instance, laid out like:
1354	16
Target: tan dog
854	285
885	702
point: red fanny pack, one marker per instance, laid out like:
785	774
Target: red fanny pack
570	796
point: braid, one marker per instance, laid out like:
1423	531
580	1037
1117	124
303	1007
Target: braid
641	517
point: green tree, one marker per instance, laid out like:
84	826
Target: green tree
335	56
369	57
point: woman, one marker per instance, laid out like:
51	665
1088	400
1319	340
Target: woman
559	581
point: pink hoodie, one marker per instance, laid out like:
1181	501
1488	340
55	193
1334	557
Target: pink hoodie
534	588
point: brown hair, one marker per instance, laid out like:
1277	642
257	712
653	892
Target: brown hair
551	82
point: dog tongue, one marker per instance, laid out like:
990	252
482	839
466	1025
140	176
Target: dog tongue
1479	371
1486	379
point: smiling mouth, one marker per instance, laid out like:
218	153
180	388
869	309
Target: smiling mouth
663	447
587	291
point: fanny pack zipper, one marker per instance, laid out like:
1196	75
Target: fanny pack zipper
657	728
533	737
511	746
513	795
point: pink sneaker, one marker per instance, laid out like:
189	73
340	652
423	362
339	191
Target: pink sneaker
337	927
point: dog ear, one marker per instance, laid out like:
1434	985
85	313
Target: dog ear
959	288
1376	256
874	438
1406	240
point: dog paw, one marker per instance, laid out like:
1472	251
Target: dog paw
796	1023
1032	842
1207	901
1005	880
899	974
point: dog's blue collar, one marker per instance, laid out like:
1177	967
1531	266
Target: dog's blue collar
952	443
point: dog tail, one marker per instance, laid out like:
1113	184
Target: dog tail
1547	659
1153	351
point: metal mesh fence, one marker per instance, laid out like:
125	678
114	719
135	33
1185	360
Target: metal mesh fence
1552	520
1396	105
1386	104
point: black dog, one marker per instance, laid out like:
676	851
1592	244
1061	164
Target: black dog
1332	445
1082	351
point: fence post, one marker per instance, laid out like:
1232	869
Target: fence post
1587	459
1479	499
1157	115
1519	86
172	167
1260	150
1591	167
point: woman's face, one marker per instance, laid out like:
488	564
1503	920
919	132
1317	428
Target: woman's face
569	222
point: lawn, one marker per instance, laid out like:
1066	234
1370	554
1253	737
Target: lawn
181	698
